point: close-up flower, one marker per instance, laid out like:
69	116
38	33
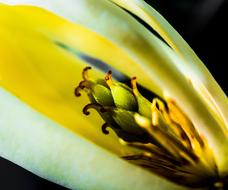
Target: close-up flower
105	94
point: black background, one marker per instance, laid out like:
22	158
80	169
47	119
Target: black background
202	23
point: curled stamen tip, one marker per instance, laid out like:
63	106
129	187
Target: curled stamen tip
87	68
85	72
94	106
85	111
82	85
76	91
104	128
86	108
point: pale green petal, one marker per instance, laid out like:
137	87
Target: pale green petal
154	58
44	75
47	149
191	65
156	62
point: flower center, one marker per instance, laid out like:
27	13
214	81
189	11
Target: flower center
162	138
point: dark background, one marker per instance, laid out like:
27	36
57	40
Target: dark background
202	23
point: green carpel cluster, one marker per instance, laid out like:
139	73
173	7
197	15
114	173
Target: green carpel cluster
116	104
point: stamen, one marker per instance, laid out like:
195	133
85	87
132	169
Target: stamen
156	134
134	85
95	106
85	73
181	133
79	88
174	128
108	78
160	106
155	117
77	91
166	141
104	128
153	150
82	84
179	117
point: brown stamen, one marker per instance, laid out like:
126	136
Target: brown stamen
79	88
104	128
95	106
85	73
108	78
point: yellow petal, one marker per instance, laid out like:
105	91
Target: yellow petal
49	150
156	62
40	73
43	75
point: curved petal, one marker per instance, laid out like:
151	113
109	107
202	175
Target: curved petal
191	65
157	61
51	151
43	75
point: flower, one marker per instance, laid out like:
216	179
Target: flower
42	56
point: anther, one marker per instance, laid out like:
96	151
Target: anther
85	73
104	128
108	78
77	91
134	86
82	84
95	106
80	87
133	83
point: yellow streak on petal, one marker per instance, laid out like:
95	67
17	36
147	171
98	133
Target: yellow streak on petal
45	148
43	75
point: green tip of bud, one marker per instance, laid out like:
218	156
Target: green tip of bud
144	105
122	94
